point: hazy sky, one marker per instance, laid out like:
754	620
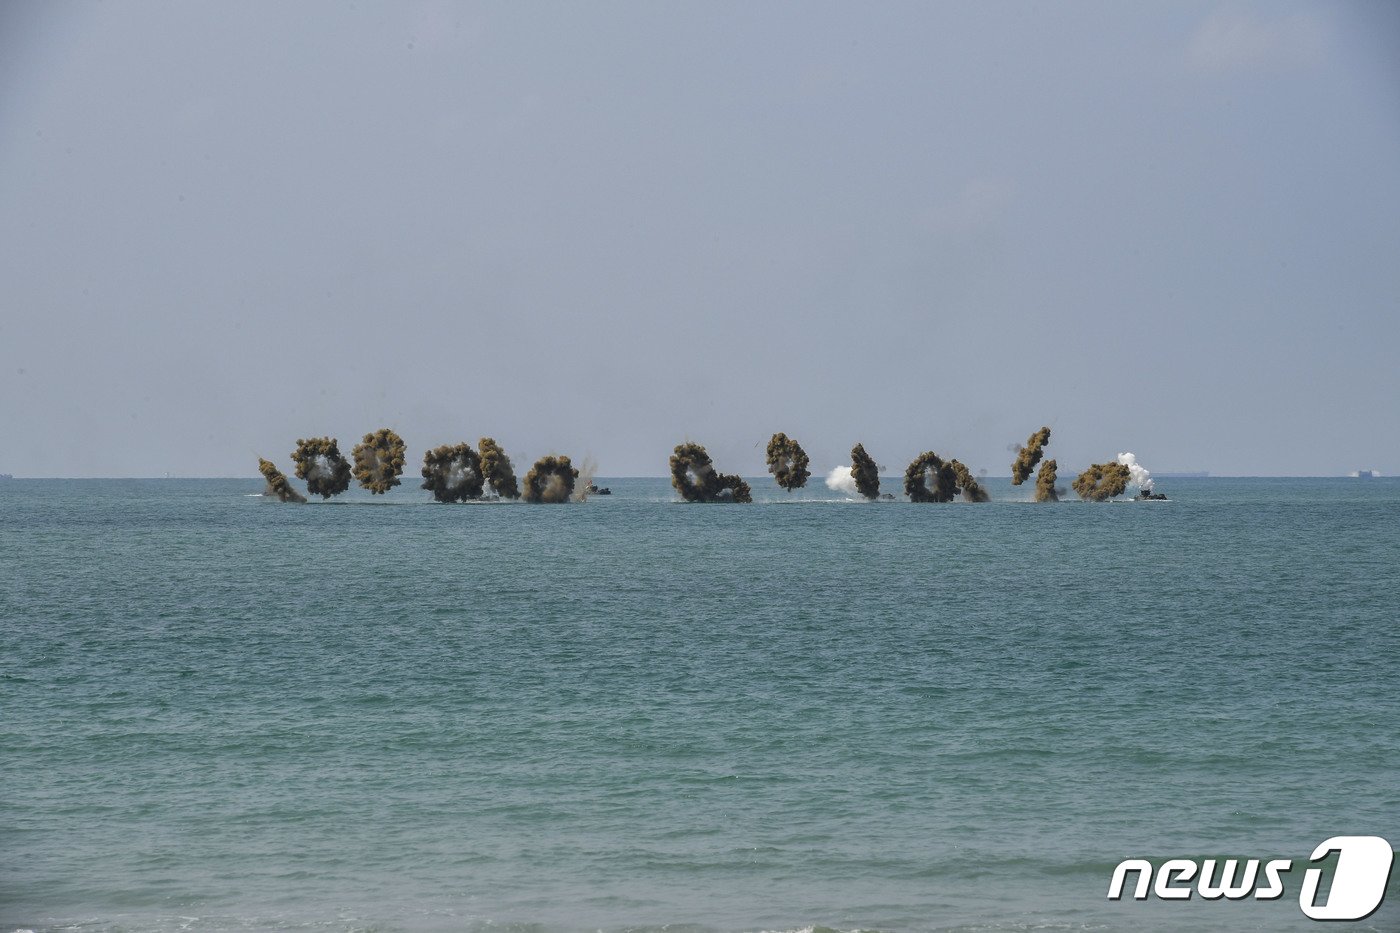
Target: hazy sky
604	228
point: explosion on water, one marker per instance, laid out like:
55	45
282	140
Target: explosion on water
1045	490
277	484
1028	456
497	469
457	473
971	490
929	479
1102	481
551	479
379	460
452	473
865	472
319	462
695	478
787	461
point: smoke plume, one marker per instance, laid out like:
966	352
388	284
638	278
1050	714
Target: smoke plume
319	462
1102	481
929	479
379	461
452	473
787	461
1045	490
277	484
497	469
865	473
551	479
695	478
971	490
1028	456
1137	474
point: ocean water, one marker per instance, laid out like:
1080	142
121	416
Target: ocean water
222	713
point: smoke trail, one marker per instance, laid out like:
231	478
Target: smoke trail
1028	456
497	469
929	479
1102	481
842	479
787	461
971	490
1045	490
453	473
319	462
277	484
551	479
695	478
1138	475
865	473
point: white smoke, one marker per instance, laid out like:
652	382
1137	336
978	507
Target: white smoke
459	474
1137	473
841	480
320	468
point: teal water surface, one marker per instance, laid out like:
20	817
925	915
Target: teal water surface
220	712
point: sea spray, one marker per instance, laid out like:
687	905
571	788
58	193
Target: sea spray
587	469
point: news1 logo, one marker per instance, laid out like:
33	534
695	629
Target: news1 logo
1358	881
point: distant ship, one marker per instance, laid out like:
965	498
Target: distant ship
1365	474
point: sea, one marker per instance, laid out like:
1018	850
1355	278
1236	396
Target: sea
220	712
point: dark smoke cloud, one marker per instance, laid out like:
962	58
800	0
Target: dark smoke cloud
787	461
1102	481
1029	456
319	462
452	473
865	472
497	469
1045	490
695	478
971	490
551	479
379	460
277	484
929	479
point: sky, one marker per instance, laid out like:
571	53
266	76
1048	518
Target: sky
603	229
